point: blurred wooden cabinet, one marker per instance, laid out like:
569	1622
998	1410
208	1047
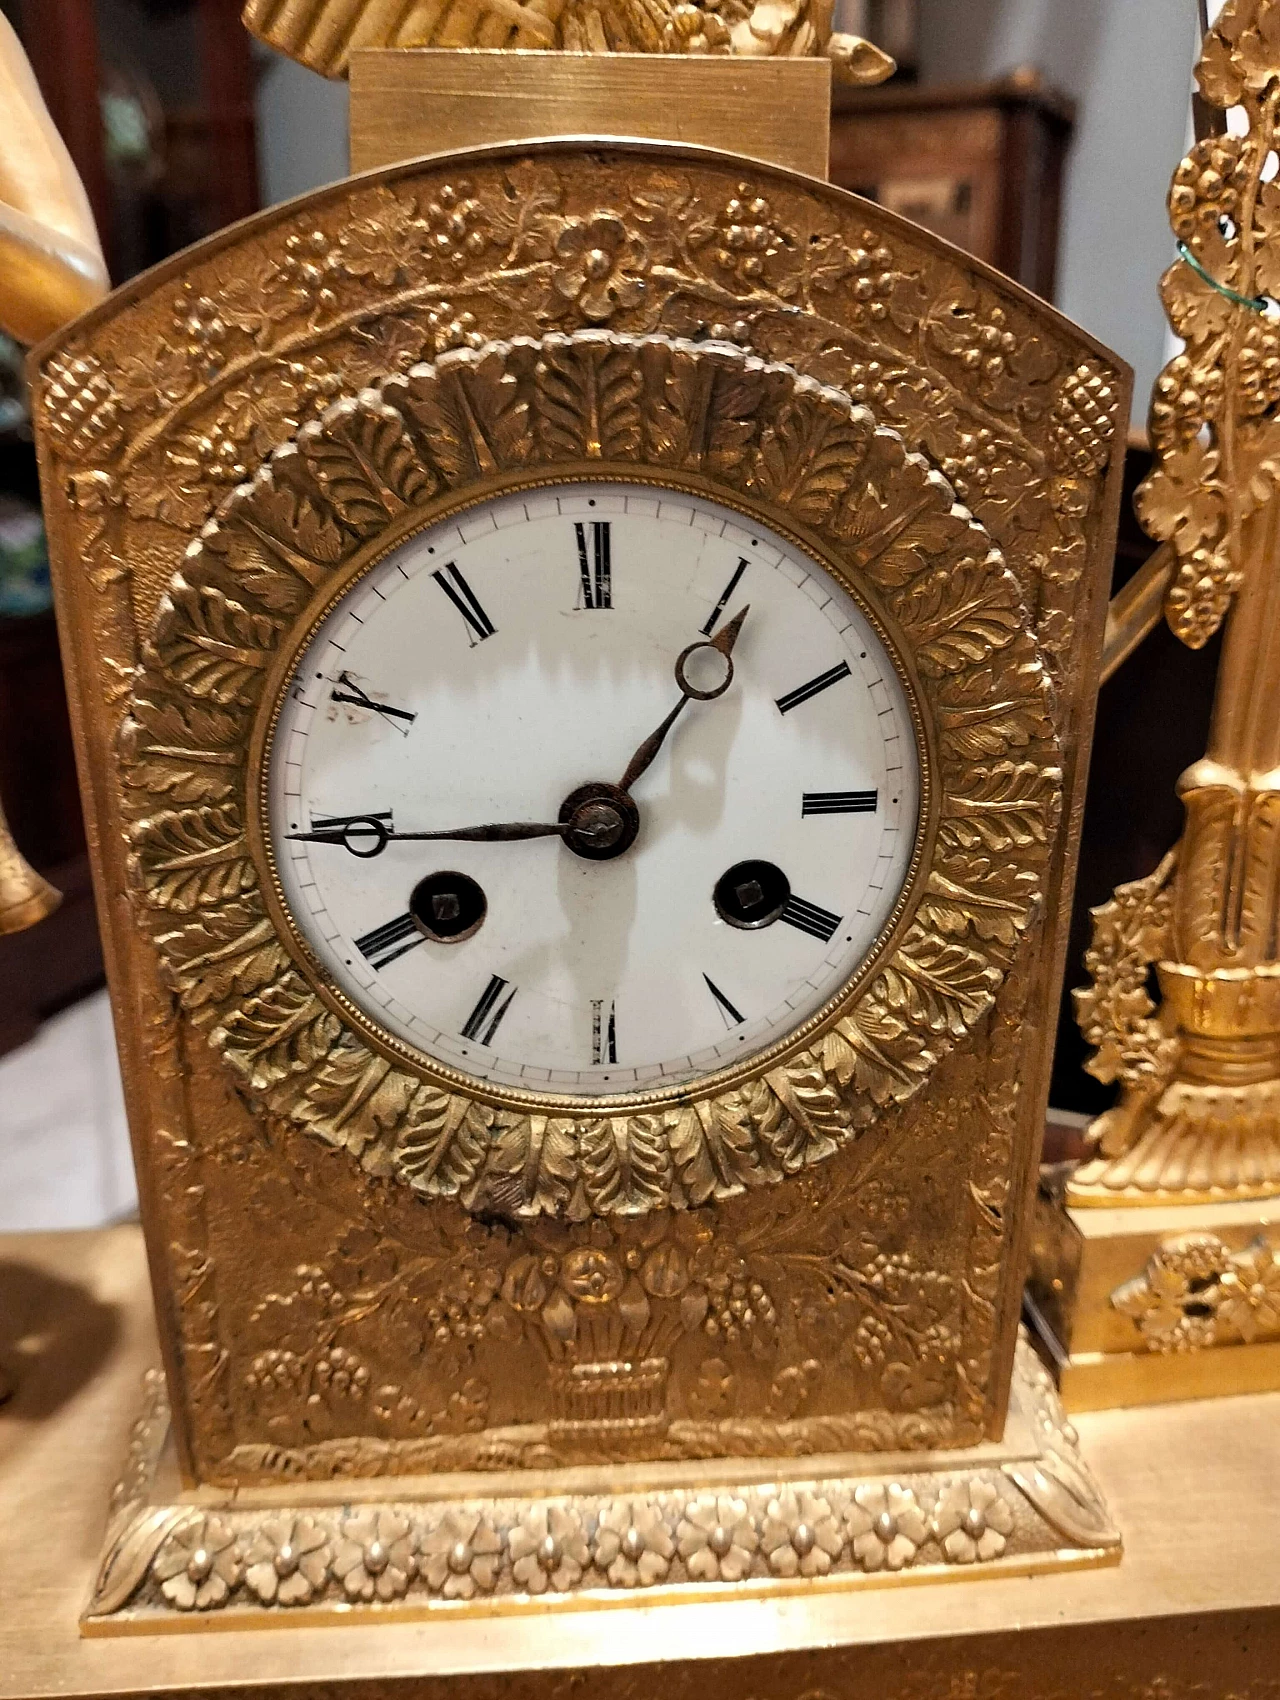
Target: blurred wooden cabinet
154	99
981	165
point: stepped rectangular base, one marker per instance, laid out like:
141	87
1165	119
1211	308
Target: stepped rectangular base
487	1544
77	1334
1140	1305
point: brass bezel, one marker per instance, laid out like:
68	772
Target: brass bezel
456	1080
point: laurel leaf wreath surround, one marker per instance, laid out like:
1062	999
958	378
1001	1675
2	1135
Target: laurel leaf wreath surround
587	404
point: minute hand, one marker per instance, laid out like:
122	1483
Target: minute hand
498	832
723	642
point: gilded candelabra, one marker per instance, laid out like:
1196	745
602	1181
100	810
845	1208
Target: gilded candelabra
1134	1301
1199	1114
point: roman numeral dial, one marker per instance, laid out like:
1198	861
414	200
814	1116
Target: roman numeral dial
638	841
725	596
810	918
348	691
732	1017
604	1032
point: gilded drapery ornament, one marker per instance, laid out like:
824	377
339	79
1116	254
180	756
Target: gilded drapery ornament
323	34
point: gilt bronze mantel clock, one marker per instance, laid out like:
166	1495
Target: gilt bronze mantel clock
584	656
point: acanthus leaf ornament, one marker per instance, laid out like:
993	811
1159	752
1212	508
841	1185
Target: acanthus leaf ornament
375	462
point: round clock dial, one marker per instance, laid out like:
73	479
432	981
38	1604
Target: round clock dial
592	790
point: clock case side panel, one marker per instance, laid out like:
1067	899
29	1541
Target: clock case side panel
1081	683
99	643
149	408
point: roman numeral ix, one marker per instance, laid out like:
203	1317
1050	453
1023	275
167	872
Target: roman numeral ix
604	1032
595	569
485	1018
823	682
840	803
479	625
809	918
385	943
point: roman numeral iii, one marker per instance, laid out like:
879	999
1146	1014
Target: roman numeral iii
840	803
595	562
479	625
809	918
486	1017
385	943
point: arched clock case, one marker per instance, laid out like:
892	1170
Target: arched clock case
391	1238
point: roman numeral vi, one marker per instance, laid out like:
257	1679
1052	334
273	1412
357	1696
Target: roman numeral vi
604	1032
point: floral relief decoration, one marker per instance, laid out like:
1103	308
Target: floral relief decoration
542	1549
1197	1292
941	386
466	1553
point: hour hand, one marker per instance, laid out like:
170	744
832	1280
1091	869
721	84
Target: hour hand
722	643
369	835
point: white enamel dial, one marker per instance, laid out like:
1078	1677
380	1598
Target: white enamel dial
493	665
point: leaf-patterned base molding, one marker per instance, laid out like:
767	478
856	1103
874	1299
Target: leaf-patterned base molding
1029	1505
